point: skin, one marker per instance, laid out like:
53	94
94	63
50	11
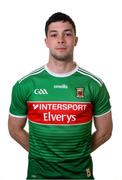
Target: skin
17	131
61	41
103	125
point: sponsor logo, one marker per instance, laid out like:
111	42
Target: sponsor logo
79	92
60	112
40	91
61	86
35	106
58	118
88	172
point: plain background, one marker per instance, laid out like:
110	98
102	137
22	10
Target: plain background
99	50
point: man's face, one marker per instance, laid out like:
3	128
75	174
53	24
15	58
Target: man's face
61	40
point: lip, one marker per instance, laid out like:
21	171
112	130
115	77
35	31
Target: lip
61	48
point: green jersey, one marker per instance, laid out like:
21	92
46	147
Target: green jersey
59	109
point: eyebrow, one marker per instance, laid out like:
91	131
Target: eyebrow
51	31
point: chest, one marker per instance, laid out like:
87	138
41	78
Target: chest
62	101
60	90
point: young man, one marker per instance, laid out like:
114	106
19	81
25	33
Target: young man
60	100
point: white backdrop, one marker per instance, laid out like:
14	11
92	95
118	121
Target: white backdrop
99	50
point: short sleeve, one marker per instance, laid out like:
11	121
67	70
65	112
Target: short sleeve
101	103
18	105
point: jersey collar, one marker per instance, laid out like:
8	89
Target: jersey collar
63	74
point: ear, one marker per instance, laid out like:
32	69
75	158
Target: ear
46	41
76	40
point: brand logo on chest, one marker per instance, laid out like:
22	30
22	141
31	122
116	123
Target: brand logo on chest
61	86
40	91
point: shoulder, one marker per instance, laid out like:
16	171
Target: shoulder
31	75
90	77
29	79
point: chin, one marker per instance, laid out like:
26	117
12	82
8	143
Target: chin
62	58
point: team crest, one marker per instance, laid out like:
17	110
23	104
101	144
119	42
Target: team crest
79	92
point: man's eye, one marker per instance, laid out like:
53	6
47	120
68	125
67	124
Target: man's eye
53	35
68	34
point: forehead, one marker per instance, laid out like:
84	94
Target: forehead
60	26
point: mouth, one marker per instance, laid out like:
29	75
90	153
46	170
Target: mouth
61	48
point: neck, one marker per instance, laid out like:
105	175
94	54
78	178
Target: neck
61	67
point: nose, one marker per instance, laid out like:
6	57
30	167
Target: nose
61	39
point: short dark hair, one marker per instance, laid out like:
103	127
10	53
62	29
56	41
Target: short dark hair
59	16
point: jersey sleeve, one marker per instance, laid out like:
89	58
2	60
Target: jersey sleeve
18	105
101	101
